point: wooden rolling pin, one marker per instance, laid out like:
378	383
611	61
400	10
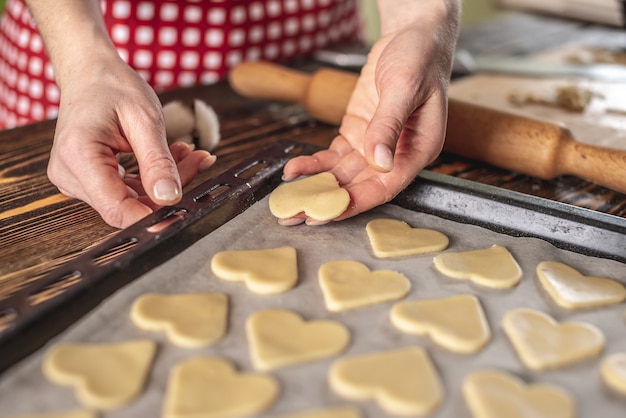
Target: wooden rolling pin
505	140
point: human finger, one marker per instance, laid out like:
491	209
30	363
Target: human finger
145	131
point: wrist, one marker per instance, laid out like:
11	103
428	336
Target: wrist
75	37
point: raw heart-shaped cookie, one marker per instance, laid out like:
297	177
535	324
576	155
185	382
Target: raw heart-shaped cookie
266	271
189	320
348	284
394	238
542	343
104	376
320	197
69	414
211	387
279	338
491	267
570	289
613	371
495	394
403	381
457	323
333	412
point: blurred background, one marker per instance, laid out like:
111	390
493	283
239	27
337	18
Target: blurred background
473	11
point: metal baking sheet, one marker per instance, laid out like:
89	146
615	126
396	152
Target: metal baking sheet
23	389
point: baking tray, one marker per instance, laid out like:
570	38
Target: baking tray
90	277
531	227
305	386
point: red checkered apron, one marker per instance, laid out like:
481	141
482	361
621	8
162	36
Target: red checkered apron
171	43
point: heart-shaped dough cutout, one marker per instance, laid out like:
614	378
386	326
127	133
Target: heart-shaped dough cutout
280	338
394	238
266	271
333	412
457	323
69	414
572	290
320	197
495	394
613	371
492	267
211	387
348	284
189	320
403	381
104	376
542	343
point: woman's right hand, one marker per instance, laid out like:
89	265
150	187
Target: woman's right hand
108	110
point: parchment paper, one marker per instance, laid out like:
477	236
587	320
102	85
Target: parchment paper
23	389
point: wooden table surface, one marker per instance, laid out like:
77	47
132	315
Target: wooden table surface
41	229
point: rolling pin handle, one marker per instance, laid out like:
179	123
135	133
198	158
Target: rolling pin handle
269	81
603	166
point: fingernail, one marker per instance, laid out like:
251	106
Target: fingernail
383	157
290	221
315	222
207	162
166	190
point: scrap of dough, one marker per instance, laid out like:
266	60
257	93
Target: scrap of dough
320	197
492	267
613	371
332	412
267	271
69	414
394	238
189	320
348	284
542	343
496	394
571	98
211	387
403	381
457	323
280	338
104	376
570	289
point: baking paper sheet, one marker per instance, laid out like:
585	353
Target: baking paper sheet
23	389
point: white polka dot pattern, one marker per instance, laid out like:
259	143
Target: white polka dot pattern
171	43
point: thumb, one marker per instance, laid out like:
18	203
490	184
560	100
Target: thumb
384	129
159	174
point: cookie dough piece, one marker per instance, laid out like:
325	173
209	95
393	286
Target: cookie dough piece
189	320
211	387
394	238
492	267
457	323
348	284
69	414
104	376
280	338
571	290
266	271
320	197
403	381
542	343
613	371
496	394
333	412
